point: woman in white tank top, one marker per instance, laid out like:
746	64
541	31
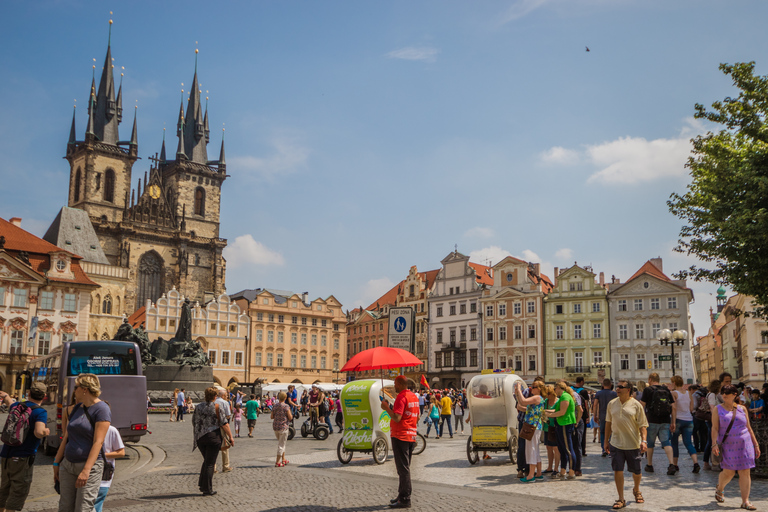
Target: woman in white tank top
684	425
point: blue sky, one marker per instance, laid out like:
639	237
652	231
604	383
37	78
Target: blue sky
366	137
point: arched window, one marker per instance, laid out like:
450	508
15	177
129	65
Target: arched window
109	186
151	269
106	306
200	202
78	178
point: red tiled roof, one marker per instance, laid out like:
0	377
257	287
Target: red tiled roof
388	298
546	284
138	318
18	240
650	268
429	277
483	273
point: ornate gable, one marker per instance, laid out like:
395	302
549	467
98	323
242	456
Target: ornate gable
12	269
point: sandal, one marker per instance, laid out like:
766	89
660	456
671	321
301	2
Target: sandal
748	506
279	464
285	463
638	497
719	497
619	504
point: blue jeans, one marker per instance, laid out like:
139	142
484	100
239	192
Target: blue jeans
685	428
565	446
100	499
660	430
708	449
578	435
602	435
430	422
328	422
443	419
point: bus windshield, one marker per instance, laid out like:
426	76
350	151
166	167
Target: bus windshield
102	358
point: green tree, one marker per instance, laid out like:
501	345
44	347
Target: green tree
725	207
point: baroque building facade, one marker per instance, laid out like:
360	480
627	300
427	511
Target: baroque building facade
45	298
512	312
638	309
742	335
166	230
577	333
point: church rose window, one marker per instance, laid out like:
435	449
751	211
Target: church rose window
150	278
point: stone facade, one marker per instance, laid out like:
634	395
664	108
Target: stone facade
293	339
513	318
455	321
220	326
742	336
638	309
108	301
413	292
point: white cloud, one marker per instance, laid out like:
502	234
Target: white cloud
529	255
521	8
371	291
564	254
425	53
630	160
493	254
479	232
560	156
288	157
247	251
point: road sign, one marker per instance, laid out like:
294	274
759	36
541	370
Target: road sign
665	358
401	328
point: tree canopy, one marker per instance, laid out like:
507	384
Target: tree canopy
725	207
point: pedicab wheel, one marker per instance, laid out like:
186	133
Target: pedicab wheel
291	433
380	451
513	449
472	454
342	453
321	433
304	432
421	444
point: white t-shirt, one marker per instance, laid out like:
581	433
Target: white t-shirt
112	443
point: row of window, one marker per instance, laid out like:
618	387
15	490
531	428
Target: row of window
515	363
372	326
46	299
596	308
43	341
225	360
462	335
517	308
641	361
295	320
455	359
639	304
355	346
295	338
640	330
517	330
452	309
597	331
272	358
295	304
578	358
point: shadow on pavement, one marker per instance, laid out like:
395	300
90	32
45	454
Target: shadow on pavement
175	496
315	508
464	463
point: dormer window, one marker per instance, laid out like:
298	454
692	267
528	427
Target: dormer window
61	265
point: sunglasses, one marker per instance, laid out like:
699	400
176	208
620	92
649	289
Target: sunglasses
622	387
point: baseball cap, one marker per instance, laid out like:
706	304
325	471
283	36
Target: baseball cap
39	387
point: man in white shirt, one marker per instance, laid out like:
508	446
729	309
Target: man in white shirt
180	402
113	448
227	412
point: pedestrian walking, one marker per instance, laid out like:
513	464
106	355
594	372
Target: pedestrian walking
181	402
339	414
700	416
237	418
404	417
660	409
734	441
684	423
581	425
281	416
433	418
534	411
251	413
17	461
710	402
626	440
79	464
173	405
113	449
458	413
446	404
210	426
422	402
565	413
599	407
225	411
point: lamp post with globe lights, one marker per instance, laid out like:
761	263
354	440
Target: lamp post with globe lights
669	338
760	357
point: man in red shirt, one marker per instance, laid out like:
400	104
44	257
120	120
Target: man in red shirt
404	418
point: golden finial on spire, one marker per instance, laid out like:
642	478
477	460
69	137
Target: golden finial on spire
197	51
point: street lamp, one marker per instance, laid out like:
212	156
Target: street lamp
760	357
669	338
336	371
603	365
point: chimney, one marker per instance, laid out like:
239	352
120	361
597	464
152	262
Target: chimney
16	221
537	269
557	273
602	278
305	297
657	263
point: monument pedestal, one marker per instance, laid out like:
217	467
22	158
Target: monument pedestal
162	379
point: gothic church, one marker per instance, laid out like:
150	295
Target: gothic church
166	230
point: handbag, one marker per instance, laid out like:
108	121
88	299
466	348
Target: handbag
717	459
527	431
109	470
225	444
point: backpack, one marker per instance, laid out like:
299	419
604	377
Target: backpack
661	402
703	412
17	426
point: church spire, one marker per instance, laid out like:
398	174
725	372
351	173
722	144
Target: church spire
72	132
180	155
162	150
194	124
106	118
134	133
222	162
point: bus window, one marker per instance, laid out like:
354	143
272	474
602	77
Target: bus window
87	357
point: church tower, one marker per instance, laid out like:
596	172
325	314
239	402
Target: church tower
166	230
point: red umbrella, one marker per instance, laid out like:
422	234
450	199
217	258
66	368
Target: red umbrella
381	358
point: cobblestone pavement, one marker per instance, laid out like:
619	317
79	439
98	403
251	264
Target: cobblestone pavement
161	474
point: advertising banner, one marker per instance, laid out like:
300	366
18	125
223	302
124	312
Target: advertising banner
358	418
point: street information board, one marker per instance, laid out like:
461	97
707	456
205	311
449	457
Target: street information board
401	328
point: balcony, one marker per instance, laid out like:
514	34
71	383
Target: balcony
577	369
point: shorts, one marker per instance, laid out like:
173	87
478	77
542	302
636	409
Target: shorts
547	442
251	423
632	459
660	430
16	476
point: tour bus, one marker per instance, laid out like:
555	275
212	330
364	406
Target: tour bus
118	366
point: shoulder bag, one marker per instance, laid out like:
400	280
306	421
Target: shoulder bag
527	431
717	459
109	470
225	444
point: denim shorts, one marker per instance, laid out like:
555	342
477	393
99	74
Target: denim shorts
660	430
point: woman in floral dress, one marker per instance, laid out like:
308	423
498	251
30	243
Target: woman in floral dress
534	410
739	445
